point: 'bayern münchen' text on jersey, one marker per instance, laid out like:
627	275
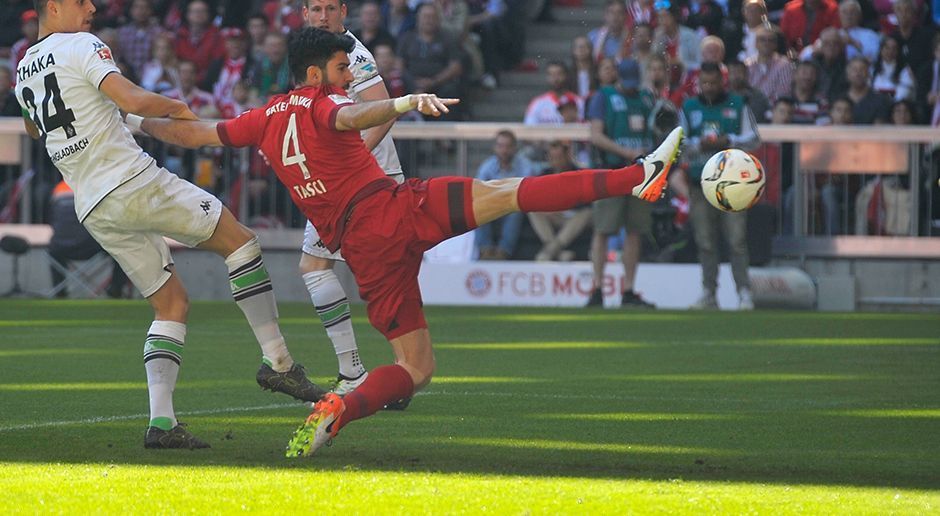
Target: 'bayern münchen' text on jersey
321	167
365	75
57	84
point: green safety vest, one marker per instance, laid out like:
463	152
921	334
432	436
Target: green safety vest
721	118
626	121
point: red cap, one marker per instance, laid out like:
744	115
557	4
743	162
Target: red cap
232	32
29	15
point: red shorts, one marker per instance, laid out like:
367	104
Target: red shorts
385	239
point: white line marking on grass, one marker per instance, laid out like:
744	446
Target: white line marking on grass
108	419
787	403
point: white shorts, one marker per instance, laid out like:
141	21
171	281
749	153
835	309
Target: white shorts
131	221
313	245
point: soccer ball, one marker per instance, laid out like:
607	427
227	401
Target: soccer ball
733	180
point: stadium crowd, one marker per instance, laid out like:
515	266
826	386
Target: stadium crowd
815	62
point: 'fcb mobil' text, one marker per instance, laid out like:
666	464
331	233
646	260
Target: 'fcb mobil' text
73	148
294	100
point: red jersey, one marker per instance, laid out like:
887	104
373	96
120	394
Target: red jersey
325	170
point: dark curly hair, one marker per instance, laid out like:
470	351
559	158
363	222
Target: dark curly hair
310	46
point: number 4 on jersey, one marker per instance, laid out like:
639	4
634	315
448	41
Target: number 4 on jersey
63	116
290	139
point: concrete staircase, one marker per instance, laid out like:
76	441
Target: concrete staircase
544	42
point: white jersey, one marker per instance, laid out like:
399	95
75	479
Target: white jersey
57	83
365	75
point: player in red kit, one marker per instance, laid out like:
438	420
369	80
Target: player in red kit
311	137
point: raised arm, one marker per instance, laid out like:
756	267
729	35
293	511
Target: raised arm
370	114
371	137
134	99
184	133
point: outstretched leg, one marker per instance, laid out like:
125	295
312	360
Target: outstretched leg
646	180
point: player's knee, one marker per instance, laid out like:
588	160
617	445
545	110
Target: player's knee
174	308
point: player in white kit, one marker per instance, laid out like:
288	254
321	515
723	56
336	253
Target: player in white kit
316	262
70	91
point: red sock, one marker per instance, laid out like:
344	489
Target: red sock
566	190
384	385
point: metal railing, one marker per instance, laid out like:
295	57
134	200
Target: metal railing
816	175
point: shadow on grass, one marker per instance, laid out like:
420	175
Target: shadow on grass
544	438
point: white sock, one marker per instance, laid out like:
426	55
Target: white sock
332	306
251	288
163	352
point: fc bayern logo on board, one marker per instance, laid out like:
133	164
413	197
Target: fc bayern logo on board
479	283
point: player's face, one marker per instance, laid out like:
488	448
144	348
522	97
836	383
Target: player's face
73	15
326	14
337	71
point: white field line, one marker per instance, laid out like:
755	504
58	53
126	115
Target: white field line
787	403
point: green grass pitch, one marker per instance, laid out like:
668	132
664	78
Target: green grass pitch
545	411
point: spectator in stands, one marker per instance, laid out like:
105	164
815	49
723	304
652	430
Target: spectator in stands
372	31
504	164
272	75
431	56
137	37
283	15
891	75
237	102
769	71
8	103
916	39
641	12
831	63
543	109
642	45
804	20
755	99
710	129
397	81
236	66
71	241
608	39
398	16
557	230
583	68
870	107
679	43
11	21
810	106
773	157
160	75
928	86
657	81
711	50
705	16
744	42
902	112
30	30
109	36
198	40
621	132
859	41
455	21
257	30
199	101
487	23
607	74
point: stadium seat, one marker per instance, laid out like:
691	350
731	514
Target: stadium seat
15	246
92	275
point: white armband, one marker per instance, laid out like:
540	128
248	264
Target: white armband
403	104
133	121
